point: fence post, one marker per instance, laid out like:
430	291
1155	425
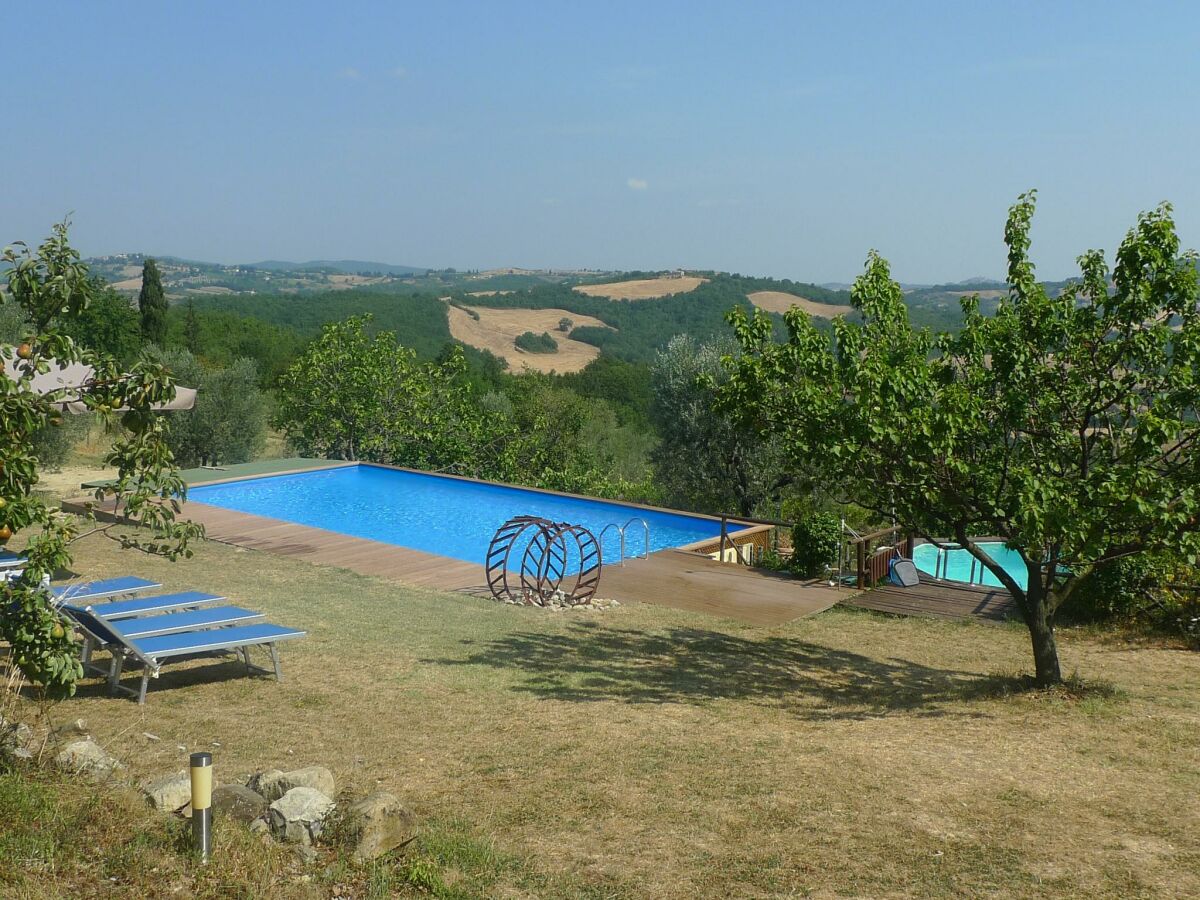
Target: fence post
862	564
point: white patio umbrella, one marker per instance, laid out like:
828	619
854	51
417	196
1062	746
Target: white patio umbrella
74	377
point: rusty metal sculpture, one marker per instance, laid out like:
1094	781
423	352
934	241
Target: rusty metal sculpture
546	549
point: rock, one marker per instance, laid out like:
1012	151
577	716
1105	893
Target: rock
266	784
169	793
14	735
260	826
273	784
88	758
22	753
299	815
306	855
78	728
378	824
233	801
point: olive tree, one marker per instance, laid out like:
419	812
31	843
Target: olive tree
228	424
52	289
1065	425
704	461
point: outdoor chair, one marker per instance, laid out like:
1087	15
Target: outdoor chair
100	590
128	609
154	641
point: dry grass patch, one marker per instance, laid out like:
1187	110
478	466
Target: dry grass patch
646	751
781	302
496	330
642	289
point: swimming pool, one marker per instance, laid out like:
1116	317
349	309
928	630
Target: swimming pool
959	565
448	516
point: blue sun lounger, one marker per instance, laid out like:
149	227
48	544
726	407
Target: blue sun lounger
132	608
145	606
101	590
157	648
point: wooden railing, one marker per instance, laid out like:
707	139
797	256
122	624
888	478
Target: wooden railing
874	551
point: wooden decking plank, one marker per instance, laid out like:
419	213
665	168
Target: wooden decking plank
939	599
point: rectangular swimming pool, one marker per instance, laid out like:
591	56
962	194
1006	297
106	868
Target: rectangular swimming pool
437	514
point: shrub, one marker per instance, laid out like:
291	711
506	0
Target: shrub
52	444
1122	590
229	421
816	539
536	343
565	324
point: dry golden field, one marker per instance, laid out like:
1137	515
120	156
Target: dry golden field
496	329
644	289
781	302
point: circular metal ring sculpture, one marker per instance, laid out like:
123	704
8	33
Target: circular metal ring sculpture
549	548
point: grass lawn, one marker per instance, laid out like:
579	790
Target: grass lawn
644	751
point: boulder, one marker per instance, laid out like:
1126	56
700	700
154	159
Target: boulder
273	784
77	728
266	784
378	824
88	758
169	793
233	801
299	815
14	735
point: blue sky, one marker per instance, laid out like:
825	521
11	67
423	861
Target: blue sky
784	139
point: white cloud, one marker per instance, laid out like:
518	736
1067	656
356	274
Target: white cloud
637	184
350	74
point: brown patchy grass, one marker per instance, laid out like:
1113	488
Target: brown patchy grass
645	751
781	302
496	331
642	289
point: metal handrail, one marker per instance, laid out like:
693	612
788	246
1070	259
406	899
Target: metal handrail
645	547
621	535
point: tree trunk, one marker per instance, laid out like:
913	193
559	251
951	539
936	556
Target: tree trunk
1041	630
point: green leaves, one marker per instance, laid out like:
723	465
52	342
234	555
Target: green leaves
53	291
1066	425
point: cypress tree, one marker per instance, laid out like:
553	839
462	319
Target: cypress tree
191	328
152	303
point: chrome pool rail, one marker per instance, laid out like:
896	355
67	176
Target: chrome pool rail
620	529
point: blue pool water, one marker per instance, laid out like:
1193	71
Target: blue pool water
446	516
956	565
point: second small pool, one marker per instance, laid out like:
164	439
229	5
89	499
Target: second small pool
959	565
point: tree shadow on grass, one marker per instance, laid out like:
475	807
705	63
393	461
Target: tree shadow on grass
592	662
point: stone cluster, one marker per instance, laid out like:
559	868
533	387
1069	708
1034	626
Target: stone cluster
557	601
293	807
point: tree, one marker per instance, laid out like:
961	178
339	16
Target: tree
705	460
1066	425
191	328
229	421
108	324
52	289
152	304
354	396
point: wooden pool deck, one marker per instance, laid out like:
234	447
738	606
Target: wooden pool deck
939	599
672	578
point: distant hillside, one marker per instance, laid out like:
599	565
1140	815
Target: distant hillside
345	266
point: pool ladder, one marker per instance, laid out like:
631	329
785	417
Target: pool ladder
942	564
620	529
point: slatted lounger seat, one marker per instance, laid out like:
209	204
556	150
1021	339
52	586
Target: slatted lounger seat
138	606
155	651
191	620
100	590
145	606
